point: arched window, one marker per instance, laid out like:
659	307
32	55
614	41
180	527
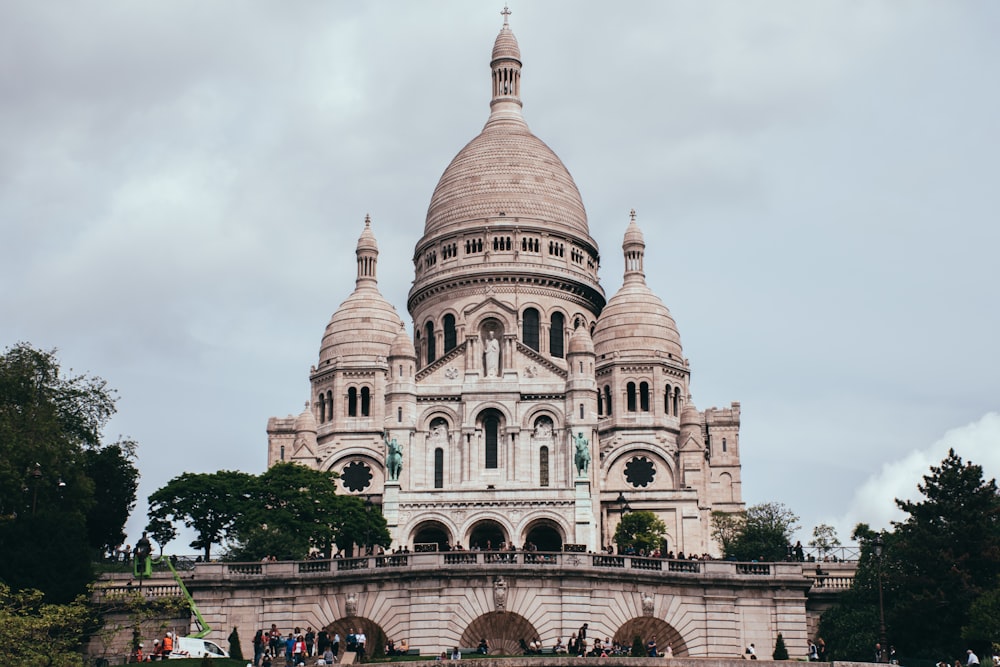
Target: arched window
352	402
644	396
677	392
399	414
492	427
607	400
543	466
429	335
322	409
450	335
366	402
600	404
723	444
329	405
438	468
530	335
666	401
630	396
556	328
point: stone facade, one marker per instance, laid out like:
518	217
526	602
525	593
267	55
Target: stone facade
526	406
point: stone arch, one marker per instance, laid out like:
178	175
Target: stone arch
504	630
432	531
648	627
536	411
726	487
487	534
376	637
545	533
438	411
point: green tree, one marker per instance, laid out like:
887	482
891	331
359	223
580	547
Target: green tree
116	481
937	567
359	523
54	515
727	528
640	530
761	533
292	509
983	626
235	649
40	633
780	650
824	538
943	557
209	503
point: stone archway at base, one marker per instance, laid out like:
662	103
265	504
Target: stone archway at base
646	628
374	635
503	630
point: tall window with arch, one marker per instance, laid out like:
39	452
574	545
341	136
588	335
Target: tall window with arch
543	466
630	396
438	468
429	336
491	428
644	396
530	325
352	402
607	400
450	335
366	402
666	402
556	335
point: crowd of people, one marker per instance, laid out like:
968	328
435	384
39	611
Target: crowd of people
271	648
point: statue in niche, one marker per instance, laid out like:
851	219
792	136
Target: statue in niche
543	429
393	457
647	604
491	352
582	457
439	433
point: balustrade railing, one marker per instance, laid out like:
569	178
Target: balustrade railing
840	578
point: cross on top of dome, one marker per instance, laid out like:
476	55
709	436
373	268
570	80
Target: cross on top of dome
505	13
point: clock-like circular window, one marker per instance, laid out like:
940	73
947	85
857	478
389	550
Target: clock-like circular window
640	471
356	476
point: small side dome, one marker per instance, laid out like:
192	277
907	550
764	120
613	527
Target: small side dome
690	416
580	342
403	345
363	329
635	323
306	421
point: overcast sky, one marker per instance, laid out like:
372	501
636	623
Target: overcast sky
182	185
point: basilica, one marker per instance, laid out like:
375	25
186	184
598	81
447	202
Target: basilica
526	408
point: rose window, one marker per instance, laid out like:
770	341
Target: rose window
640	471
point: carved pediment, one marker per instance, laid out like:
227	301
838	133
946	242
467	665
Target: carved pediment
438	371
542	368
491	303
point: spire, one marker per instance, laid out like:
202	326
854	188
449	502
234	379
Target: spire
506	66
367	252
634	247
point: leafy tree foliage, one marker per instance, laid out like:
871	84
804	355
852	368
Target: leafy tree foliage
641	530
285	512
38	633
824	538
209	503
116	481
64	494
984	618
761	533
938	568
292	508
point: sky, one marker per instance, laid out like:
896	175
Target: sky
182	185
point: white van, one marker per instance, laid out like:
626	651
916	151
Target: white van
189	647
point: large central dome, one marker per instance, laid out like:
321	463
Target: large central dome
506	170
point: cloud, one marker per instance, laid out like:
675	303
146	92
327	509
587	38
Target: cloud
874	501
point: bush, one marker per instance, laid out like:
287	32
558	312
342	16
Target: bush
780	652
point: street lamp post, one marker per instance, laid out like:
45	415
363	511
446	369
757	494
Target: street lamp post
36	474
883	656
